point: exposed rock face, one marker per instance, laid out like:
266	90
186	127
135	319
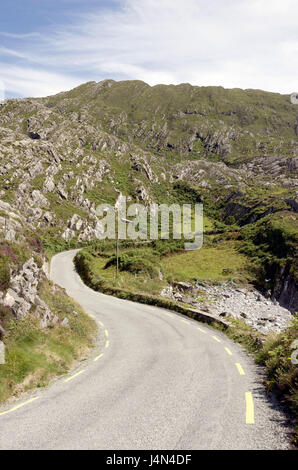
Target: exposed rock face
62	156
288	294
286	290
22	296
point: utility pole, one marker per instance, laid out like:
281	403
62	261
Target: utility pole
117	243
117	253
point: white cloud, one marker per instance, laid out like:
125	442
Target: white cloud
236	43
2	91
26	81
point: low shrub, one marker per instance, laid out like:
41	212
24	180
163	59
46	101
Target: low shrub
137	261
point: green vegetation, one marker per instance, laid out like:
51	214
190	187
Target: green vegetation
148	267
218	263
135	106
271	244
34	356
282	374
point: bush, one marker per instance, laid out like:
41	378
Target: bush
282	374
138	261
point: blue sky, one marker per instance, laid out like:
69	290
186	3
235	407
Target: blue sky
47	46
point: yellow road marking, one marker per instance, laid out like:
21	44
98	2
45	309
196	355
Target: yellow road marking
101	323
216	339
185	321
19	406
92	316
200	329
169	315
107	344
106	333
250	415
240	370
98	357
74	376
229	352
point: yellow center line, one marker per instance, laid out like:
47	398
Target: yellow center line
185	321
240	370
202	331
106	333
229	351
98	357
216	339
19	406
250	415
74	376
92	316
107	344
101	323
169	315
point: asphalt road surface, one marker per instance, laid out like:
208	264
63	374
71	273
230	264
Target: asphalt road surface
156	380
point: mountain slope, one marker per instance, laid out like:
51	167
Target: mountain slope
235	150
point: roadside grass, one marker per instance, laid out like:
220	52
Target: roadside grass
282	375
34	356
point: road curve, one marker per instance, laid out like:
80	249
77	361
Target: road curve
161	383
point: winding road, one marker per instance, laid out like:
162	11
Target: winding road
157	380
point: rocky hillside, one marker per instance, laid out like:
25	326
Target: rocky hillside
235	150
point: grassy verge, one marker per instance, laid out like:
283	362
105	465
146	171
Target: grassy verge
34	356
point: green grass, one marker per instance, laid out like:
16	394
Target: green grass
136	282
34	356
209	263
149	268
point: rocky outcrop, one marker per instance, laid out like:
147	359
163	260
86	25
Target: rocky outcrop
285	289
62	156
22	295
